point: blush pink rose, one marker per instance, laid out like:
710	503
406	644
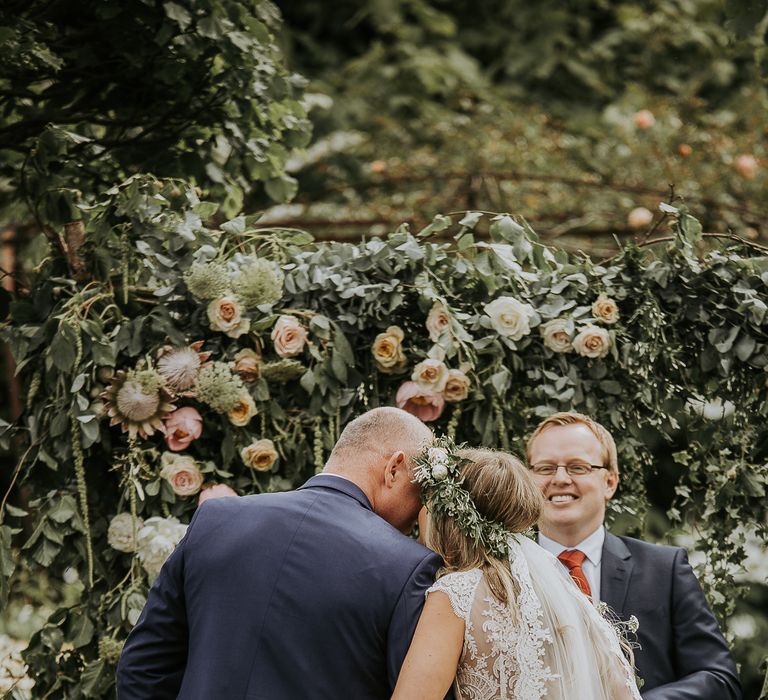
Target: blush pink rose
215	491
181	427
423	403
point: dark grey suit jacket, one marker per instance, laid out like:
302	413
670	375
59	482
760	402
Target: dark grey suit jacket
683	655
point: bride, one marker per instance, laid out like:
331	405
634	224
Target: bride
502	620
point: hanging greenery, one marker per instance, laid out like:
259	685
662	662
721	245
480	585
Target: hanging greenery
185	358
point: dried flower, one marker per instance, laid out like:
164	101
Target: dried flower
260	282
207	280
138	401
218	387
282	371
179	366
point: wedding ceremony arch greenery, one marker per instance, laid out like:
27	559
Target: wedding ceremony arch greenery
184	356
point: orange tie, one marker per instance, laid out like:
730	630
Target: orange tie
573	559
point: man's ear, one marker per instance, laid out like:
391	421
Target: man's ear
611	484
394	468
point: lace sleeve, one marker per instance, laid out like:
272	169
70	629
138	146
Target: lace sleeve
460	588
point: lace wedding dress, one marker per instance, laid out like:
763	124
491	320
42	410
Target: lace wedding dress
549	642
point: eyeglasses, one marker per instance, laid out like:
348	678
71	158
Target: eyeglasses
573	468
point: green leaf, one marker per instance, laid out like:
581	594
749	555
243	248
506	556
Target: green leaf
282	189
178	13
96	679
62	349
80	629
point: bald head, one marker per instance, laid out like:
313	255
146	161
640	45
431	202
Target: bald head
376	452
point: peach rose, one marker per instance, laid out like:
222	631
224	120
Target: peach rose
259	455
747	166
592	341
644	119
182	427
640	217
289	336
387	350
215	491
425	404
605	309
225	315
557	335
182	473
243	410
437	320
248	365
430	374
456	387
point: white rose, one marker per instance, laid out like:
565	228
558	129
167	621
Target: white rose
437	320
121	534
157	540
439	471
225	315
387	350
510	317
430	374
557	335
592	341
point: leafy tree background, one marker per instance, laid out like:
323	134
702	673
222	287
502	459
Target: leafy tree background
415	107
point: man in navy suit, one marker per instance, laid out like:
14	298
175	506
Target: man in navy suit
313	593
682	654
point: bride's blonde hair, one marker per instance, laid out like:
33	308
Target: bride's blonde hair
503	491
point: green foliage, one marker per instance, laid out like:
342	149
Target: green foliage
675	353
93	92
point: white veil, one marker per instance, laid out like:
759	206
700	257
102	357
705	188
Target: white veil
567	649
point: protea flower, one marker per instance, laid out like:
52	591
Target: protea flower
139	401
179	366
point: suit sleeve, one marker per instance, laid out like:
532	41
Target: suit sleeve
703	663
155	654
406	614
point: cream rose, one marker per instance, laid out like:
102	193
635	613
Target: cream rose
456	386
387	350
259	455
438	319
510	317
157	540
122	532
289	336
431	374
605	309
592	341
248	365
182	473
225	315
557	335
243	410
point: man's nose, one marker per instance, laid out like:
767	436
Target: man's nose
561	475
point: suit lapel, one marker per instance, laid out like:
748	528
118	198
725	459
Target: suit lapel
615	573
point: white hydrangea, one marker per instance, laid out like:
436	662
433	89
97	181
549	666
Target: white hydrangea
157	539
120	534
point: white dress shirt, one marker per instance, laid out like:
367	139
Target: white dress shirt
592	546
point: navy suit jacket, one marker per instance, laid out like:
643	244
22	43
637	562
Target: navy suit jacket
306	594
683	655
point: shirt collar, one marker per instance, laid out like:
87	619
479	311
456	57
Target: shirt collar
592	546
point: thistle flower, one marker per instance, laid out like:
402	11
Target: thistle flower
282	371
219	387
207	280
139	401
179	366
260	282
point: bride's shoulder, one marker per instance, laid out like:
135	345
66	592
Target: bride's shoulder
460	587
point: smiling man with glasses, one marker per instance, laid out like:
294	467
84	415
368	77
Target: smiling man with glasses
683	654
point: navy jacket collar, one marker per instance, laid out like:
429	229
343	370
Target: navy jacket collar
336	483
616	570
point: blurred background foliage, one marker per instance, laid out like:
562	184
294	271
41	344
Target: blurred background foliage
572	114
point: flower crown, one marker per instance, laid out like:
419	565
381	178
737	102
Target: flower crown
438	473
